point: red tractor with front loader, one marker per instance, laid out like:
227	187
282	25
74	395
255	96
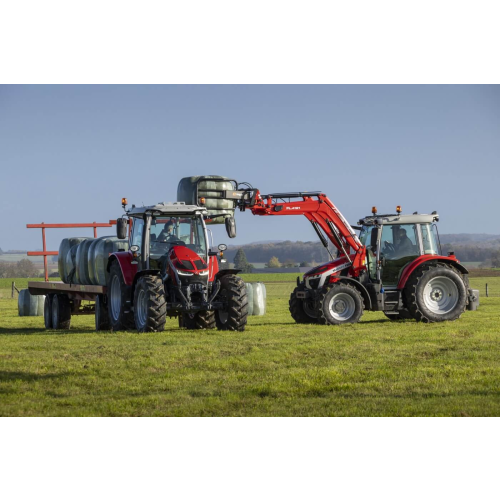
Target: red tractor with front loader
394	265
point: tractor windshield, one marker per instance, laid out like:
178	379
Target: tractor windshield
185	231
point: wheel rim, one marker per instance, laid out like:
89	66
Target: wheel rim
116	297
342	306
141	308
308	306
441	295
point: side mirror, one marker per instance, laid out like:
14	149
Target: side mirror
230	227
374	238
121	228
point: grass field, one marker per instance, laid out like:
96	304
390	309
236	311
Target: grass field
275	367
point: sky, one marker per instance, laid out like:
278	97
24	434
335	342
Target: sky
70	153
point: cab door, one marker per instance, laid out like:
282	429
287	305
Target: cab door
399	245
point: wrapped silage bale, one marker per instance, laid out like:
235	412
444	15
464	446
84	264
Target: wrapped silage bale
259	299
82	262
30	305
210	188
249	287
64	248
70	265
99	252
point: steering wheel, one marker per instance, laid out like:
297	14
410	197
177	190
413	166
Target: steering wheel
389	247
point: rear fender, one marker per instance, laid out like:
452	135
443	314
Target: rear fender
427	259
364	292
129	270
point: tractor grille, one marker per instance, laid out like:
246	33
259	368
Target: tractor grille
314	282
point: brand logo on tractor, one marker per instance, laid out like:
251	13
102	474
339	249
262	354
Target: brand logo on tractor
292	208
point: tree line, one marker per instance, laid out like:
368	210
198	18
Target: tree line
23	268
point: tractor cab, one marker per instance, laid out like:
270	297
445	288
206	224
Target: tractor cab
392	241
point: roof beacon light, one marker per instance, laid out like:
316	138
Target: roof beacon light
398	209
374	210
202	201
124	202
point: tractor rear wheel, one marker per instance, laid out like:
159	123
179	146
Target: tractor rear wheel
61	312
399	315
150	304
339	304
101	314
436	293
302	310
202	320
47	311
118	294
235	314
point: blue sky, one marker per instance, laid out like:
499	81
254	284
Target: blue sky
69	153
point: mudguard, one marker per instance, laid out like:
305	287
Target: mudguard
408	270
129	270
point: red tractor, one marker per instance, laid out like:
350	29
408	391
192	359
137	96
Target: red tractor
170	271
394	265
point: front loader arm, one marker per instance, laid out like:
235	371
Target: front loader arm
318	209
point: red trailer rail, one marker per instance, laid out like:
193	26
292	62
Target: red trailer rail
44	226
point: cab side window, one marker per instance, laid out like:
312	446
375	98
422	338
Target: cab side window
137	230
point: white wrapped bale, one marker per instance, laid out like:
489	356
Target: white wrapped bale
259	299
249	287
64	248
30	305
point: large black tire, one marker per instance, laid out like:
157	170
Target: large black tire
399	315
150	305
61	312
118	295
101	314
234	316
436	292
47	311
202	320
302	310
339	304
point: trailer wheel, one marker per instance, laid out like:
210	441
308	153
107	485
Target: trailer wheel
436	293
234	293
202	320
47	311
101	314
339	304
150	305
118	294
399	315
302	310
61	312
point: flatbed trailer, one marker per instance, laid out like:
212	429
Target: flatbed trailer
63	300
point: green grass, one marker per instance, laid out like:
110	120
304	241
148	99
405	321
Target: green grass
275	367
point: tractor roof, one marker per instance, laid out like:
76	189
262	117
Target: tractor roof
172	208
400	219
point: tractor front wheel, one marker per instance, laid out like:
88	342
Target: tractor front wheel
436	293
150	305
302	310
233	293
339	304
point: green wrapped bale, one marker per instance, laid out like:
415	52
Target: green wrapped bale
211	188
64	248
30	305
82	262
98	260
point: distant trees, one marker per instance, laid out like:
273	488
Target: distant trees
289	263
1	252
495	259
273	263
22	269
241	262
